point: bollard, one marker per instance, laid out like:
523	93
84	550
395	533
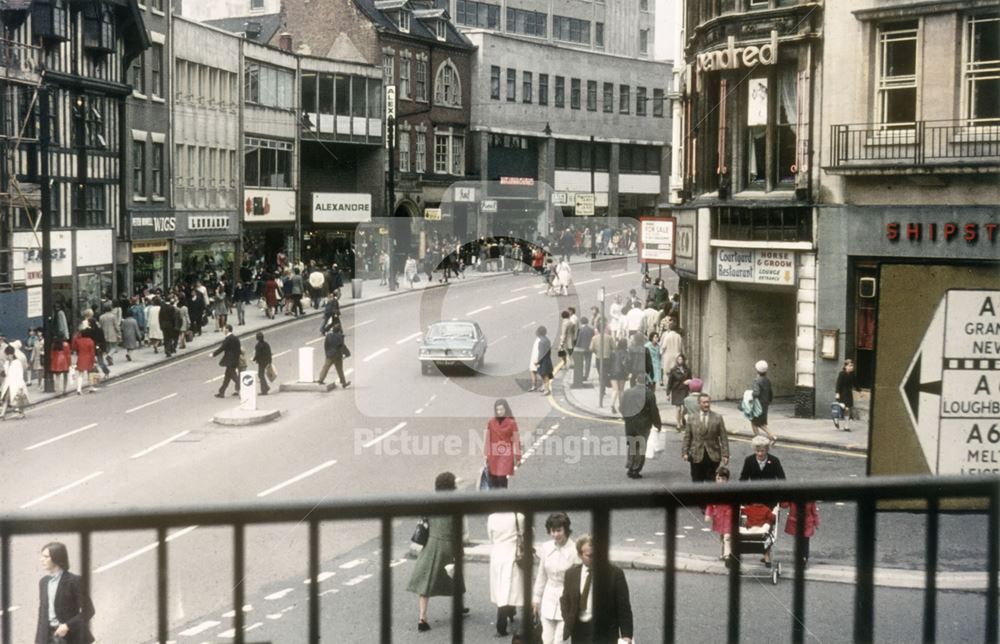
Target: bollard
306	365
356	288
248	391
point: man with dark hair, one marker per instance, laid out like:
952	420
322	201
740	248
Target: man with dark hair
230	350
578	604
641	414
262	356
336	350
706	444
64	611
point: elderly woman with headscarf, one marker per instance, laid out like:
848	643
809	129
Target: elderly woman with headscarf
502	447
544	365
762	466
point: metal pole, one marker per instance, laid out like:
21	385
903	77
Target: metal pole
45	195
593	223
600	357
390	131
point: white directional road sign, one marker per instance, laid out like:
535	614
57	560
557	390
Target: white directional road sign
952	387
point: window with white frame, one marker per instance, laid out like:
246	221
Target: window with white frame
981	70
449	152
448	89
388	66
404	151
897	74
404	76
139	169
458	155
157	168
420	159
421	78
441	149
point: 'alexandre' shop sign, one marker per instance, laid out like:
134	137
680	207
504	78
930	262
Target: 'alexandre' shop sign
950	231
733	57
341	207
755	266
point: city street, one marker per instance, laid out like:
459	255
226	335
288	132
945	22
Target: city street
147	441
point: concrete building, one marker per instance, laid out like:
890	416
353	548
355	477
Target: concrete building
85	50
206	107
152	221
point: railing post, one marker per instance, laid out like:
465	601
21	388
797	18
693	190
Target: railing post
993	568
864	605
527	574
670	578
385	598
314	581
918	143
602	580
458	587
5	586
162	587
930	575
239	555
733	626
799	583
85	568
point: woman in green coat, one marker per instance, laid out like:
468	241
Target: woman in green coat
429	578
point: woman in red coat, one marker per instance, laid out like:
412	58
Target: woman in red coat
60	360
86	358
271	291
503	445
811	523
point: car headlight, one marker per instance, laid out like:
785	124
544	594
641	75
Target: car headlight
465	352
424	351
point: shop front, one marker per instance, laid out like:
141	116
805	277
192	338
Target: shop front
268	224
205	247
152	239
330	234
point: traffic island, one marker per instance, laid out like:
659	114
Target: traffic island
239	417
307	386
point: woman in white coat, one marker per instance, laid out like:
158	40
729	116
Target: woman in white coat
555	558
506	583
14	391
533	365
564	277
155	333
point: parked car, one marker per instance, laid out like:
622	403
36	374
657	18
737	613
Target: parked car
452	342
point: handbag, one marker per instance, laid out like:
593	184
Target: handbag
188	336
484	479
21	400
522	556
242	364
421	533
271	372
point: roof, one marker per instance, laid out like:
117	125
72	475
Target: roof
269	23
417	27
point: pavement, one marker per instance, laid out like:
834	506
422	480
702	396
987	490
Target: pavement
816	432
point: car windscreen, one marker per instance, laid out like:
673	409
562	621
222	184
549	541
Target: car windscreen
459	331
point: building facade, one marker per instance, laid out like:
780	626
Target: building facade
67	63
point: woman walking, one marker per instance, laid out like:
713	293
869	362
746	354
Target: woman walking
14	392
653	348
617	372
220	308
131	336
677	384
846	384
505	530
60	360
153	319
502	447
430	578
544	365
86	358
271	291
554	559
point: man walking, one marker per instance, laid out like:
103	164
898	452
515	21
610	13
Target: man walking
64	610
706	444
582	349
262	356
581	622
230	350
336	350
640	413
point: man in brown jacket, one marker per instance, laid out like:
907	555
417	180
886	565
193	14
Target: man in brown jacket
706	445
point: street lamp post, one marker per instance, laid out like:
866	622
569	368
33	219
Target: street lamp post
45	207
593	224
600	357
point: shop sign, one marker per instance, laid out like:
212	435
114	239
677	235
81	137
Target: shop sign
517	181
95	247
432	214
951	387
488	206
27	261
465	194
149	225
584	204
733	57
656	239
35	302
266	206
946	231
762	266
341	207
208	222
159	246
560	198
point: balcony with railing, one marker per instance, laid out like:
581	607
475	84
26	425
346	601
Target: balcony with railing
19	62
923	147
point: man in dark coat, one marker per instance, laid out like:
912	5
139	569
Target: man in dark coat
640	412
331	313
230	350
262	356
336	350
64	611
169	318
334	279
196	309
578	602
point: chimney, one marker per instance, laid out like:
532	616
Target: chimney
285	41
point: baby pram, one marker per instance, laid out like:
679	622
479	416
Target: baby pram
758	534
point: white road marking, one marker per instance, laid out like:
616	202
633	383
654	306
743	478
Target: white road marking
409	337
623	275
64	488
474	311
278	355
357	580
515	299
419	411
376	354
432	398
321	577
385	435
279	595
296	479
332	591
200	628
319	339
144	550
60	437
161	444
215	379
275	616
359	324
397	562
353	564
525	326
232	613
10	609
596	279
348	372
152	402
523	288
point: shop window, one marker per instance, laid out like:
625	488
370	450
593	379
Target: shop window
591	96
574	93
448	89
511	85
981	70
897	74
560	92
526	87
543	89
139	169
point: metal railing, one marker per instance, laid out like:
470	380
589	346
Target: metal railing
923	143
867	494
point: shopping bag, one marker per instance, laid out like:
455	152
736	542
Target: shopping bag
661	440
484	479
271	373
651	445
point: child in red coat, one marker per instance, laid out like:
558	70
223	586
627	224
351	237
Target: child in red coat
721	516
808	530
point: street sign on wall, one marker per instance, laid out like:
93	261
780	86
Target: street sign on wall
584	204
656	240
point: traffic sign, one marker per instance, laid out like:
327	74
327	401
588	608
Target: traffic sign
951	389
584	204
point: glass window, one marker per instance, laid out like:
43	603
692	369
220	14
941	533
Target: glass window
421	79
420	162
644	42
591	96
388	66
157	168
404	77
528	23
342	95
574	93
640	101
404	151
139	168
897	74
982	69
511	84
495	83
441	154
543	89
599	34
658	103
458	155
560	91
358	96
448	90
307	90
526	87
624	99
156	68
571	30
477	14
137	75
609	97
